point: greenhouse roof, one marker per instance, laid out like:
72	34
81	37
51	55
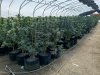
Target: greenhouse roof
48	7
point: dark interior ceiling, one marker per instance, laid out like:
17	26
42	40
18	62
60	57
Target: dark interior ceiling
92	4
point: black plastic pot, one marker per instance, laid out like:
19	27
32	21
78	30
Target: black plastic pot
21	57
2	51
75	40
79	37
32	64
66	45
52	52
9	49
13	54
72	41
58	54
44	58
5	50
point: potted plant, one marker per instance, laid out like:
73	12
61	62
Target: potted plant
12	40
41	39
54	41
24	44
44	57
4	27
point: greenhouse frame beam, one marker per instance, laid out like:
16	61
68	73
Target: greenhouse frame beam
58	5
9	7
0	7
64	7
90	3
72	8
81	7
50	3
39	7
46	3
21	7
87	13
36	7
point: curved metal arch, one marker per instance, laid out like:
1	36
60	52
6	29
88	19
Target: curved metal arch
33	1
41	6
71	3
73	7
52	6
36	7
0	6
81	7
70	11
25	4
84	11
9	7
61	8
58	5
69	8
74	11
43	3
21	6
51	2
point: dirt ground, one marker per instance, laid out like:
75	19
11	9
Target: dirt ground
83	59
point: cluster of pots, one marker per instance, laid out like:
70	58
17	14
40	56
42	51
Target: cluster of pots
5	50
31	62
68	43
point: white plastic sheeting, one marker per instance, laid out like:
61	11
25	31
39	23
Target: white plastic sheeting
58	7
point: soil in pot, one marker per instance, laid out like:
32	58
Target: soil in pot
44	58
31	64
53	52
79	37
21	57
66	45
58	54
13	54
72	41
75	40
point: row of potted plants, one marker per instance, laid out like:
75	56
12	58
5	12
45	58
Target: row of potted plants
35	41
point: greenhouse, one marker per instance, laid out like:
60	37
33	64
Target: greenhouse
50	37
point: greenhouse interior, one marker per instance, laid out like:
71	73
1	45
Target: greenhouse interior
49	37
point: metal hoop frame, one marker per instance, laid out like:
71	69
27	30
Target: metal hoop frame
0	6
58	8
